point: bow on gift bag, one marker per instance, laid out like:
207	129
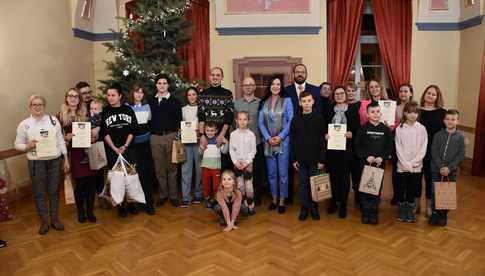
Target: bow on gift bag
123	180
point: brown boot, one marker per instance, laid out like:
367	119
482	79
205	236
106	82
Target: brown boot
56	224
44	228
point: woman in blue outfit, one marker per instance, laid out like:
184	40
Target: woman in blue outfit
275	115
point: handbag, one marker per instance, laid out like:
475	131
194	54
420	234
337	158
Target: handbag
97	156
371	180
445	194
68	191
178	152
320	187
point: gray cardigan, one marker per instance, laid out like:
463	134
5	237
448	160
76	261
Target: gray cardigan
455	153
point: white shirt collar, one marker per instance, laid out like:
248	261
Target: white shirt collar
162	97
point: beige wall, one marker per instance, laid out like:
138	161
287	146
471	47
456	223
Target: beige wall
38	54
311	48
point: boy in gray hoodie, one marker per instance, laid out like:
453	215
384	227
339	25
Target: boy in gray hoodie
447	152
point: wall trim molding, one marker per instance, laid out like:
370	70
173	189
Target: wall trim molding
268	30
8	153
93	36
450	26
467	129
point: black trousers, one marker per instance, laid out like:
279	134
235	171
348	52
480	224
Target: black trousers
145	170
338	163
408	186
395	176
99	180
259	172
355	172
84	194
426	174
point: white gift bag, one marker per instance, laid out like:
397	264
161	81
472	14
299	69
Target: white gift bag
116	181
97	156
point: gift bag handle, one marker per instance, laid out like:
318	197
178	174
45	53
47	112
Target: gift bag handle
121	162
445	177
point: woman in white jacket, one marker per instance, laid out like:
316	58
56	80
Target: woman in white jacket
411	144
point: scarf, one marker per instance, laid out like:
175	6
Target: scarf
274	123
339	117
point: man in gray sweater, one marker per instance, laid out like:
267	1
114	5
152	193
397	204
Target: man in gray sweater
447	152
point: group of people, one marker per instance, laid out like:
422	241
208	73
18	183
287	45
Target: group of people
244	143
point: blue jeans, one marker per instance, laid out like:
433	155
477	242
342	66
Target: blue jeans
278	173
193	159
305	195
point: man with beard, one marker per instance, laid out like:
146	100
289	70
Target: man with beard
293	90
216	105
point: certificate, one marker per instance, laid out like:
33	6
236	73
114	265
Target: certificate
81	132
46	145
336	137
188	132
388	111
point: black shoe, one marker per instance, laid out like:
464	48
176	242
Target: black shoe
332	208
175	203
185	204
303	214
365	217
208	203
342	212
314	213
257	202
81	217
373	217
3	243
44	228
197	200
150	210
57	225
161	202
272	206
393	201
281	209
132	208
122	213
252	212
91	217
443	219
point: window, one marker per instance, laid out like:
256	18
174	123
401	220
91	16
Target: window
368	60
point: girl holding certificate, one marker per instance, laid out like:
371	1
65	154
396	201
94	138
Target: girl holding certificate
40	136
342	115
142	144
73	111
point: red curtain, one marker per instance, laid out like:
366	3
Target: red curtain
393	21
344	19
197	52
478	167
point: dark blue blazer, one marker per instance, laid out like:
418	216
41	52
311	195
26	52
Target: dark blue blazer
314	90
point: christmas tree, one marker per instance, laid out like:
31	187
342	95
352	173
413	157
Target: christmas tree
146	45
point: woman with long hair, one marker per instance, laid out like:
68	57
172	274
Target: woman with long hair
275	115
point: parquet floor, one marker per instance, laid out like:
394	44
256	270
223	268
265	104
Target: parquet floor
189	242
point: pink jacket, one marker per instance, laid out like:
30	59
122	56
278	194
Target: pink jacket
411	145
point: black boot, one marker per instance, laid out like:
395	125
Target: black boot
303	214
332	207
373	217
81	215
365	216
90	206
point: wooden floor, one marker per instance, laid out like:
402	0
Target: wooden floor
189	242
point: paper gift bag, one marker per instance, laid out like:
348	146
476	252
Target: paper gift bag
68	191
320	187
445	195
178	152
371	180
97	156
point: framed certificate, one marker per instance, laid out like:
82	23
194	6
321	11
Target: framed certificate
46	145
388	111
336	137
81	134
188	132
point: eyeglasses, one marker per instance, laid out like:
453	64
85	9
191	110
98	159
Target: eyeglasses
73	96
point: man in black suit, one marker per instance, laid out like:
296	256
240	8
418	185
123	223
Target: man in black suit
293	90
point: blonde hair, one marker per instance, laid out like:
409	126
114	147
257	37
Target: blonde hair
65	113
96	102
232	175
367	94
36	97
